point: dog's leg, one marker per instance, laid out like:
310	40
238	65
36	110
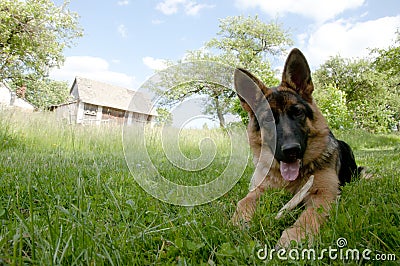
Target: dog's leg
247	206
323	194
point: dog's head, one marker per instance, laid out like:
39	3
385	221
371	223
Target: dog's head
290	104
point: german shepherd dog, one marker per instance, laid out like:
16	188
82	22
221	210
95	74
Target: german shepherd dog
304	146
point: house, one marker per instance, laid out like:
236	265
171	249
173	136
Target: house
95	102
9	99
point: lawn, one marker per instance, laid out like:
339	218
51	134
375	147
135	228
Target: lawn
68	197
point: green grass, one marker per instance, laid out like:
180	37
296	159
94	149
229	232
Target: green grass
67	197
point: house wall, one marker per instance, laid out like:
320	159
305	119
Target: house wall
5	96
74	91
90	114
9	99
129	121
112	115
22	104
80	112
141	118
118	116
99	115
67	112
152	120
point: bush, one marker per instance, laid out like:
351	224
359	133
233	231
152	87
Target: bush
332	102
374	116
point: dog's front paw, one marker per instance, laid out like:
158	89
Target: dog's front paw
288	236
244	212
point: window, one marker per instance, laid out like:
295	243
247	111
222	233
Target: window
90	109
111	112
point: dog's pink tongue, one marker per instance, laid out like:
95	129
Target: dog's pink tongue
290	171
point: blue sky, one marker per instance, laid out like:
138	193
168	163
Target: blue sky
125	40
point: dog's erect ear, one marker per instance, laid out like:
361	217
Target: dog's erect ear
249	89
297	75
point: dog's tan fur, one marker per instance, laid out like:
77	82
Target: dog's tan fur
320	159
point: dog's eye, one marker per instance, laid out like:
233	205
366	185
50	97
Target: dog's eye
297	111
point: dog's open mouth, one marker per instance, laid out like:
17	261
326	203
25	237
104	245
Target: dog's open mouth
290	171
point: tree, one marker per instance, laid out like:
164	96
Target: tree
389	59
193	76
164	117
219	98
370	100
249	42
353	76
387	62
241	42
44	92
33	35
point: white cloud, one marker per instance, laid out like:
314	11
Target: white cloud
169	7
302	38
123	3
319	11
155	64
348	39
93	68
191	8
122	31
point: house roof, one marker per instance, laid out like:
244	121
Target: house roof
99	93
55	106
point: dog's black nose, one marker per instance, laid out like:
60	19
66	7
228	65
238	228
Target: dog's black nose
291	150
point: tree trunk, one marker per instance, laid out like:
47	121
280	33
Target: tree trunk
220	114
